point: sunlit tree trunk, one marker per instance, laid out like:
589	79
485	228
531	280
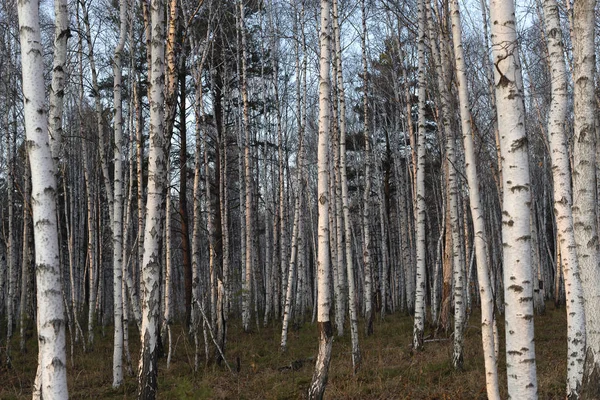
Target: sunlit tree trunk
480	237
584	184
319	379
293	272
291	276
157	159
98	109
26	259
51	379
419	320
168	273
563	198
368	289
248	263
118	201
516	233
441	61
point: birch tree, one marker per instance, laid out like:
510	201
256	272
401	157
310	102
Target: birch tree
516	232
157	159
51	377
480	237
368	290
118	201
319	379
563	199
352	298
584	184
419	324
248	262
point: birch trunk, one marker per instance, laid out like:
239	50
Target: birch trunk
51	379
584	184
419	324
10	241
98	110
563	199
480	237
291	276
368	293
26	259
118	202
196	277
319	379
247	289
157	159
516	233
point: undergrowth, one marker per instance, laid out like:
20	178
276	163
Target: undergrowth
389	369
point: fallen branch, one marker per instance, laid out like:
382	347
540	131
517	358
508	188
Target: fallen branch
212	336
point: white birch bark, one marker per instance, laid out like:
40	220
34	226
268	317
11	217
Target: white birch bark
168	274
157	159
247	287
458	261
25	259
584	187
368	273
480	237
118	201
61	35
419	319
98	109
91	242
51	379
563	199
516	233
291	276
319	379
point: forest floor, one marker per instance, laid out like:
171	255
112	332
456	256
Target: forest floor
389	369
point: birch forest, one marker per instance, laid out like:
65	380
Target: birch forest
256	199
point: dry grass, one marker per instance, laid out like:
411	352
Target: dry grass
390	370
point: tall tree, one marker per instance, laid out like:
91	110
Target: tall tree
480	237
352	298
368	290
419	324
157	165
584	187
516	231
248	186
51	377
563	199
118	200
319	379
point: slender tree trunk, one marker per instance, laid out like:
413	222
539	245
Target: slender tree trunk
319	380
516	233
168	273
98	109
480	237
118	202
51	379
584	184
368	293
563	199
10	241
148	373
183	208
419	324
248	263
26	259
